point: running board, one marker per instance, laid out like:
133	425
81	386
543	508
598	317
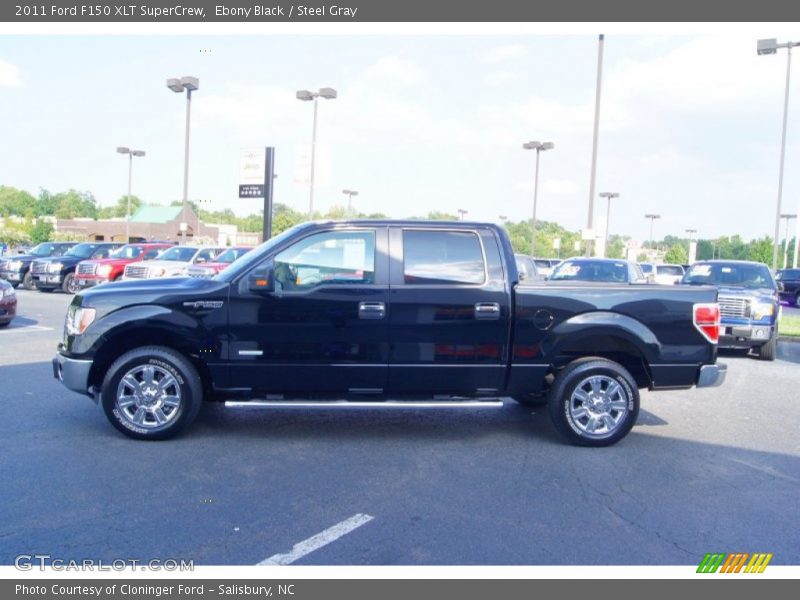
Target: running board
347	404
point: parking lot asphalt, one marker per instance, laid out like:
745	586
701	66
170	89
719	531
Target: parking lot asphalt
712	470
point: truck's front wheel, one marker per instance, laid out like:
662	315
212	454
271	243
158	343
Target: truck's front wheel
151	393
594	402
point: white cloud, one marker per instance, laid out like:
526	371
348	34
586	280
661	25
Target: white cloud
9	74
498	78
504	53
560	186
393	70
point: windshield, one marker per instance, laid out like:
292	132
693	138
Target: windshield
43	250
82	250
179	253
669	270
252	258
587	270
127	252
231	254
744	275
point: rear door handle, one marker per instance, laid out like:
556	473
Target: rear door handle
487	311
371	310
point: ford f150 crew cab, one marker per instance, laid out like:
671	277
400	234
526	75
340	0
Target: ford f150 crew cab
385	314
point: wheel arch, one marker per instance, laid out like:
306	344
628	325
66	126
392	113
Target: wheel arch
612	336
117	342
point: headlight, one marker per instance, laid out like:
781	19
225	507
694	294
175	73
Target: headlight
14	265
156	272
762	310
54	267
104	270
78	319
8	292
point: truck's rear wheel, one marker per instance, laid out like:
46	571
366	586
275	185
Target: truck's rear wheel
27	281
594	402
151	393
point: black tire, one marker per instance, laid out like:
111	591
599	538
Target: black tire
27	282
531	399
69	285
163	360
564	413
797	300
5	324
769	351
14	285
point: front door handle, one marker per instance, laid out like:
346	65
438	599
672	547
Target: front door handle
371	310
487	311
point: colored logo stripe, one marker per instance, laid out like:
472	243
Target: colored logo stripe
734	562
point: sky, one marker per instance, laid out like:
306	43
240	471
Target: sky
690	124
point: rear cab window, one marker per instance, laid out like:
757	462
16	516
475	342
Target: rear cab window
435	257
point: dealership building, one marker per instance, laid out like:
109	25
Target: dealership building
163	223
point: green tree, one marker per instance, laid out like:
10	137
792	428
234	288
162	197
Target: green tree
676	255
73	204
760	250
41	231
14	201
120	209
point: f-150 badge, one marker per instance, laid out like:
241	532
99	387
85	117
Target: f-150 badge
204	304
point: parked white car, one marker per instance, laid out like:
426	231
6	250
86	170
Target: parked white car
668	274
174	262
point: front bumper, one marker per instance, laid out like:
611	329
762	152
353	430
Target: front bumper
73	373
47	280
15	276
87	282
712	375
744	336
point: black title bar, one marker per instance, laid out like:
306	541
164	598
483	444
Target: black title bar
320	11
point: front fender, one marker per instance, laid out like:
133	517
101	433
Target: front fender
586	327
132	320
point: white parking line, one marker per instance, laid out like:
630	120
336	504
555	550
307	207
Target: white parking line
316	542
29	328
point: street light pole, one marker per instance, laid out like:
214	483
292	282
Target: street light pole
608	196
539	147
590	221
771	46
461	213
188	84
652	218
691	233
350	194
131	154
788	217
306	96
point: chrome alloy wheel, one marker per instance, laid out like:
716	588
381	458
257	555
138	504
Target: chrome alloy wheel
148	396
598	406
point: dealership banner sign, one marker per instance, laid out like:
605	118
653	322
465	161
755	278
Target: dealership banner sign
349	11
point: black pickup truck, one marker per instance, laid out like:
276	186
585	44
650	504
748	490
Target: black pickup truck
385	314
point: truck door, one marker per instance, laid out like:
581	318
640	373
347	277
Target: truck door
324	328
449	312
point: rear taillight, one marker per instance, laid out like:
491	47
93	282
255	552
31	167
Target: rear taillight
706	319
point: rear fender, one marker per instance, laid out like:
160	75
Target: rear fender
593	327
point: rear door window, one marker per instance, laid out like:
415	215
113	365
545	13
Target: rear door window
443	257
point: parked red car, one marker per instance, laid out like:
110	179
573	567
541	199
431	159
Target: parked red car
8	303
93	272
223	261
